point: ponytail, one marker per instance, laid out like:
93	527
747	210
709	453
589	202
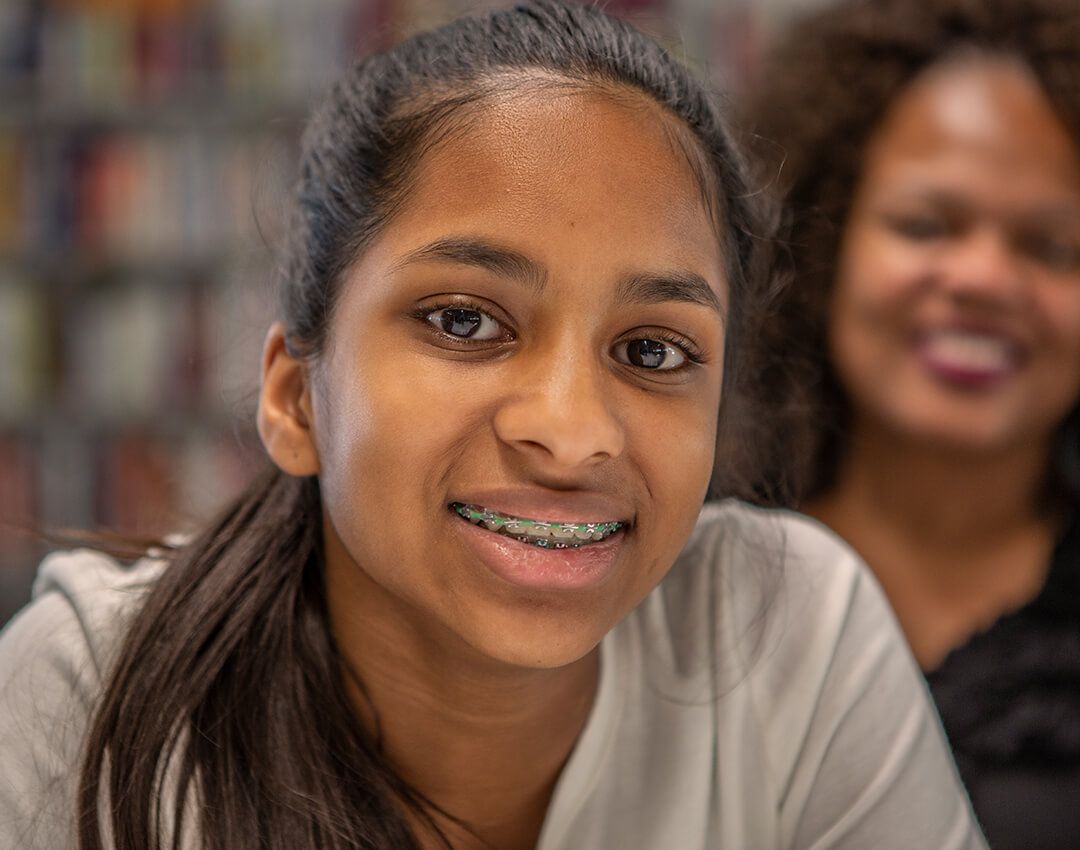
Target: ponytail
229	685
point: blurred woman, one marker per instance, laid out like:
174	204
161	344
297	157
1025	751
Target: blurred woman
929	151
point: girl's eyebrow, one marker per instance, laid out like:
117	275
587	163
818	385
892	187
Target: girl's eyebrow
471	251
660	287
642	288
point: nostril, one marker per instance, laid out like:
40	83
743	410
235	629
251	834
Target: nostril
571	435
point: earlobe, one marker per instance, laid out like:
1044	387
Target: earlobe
284	416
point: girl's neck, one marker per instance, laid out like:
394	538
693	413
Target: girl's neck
483	741
486	750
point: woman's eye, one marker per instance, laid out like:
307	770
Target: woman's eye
1052	251
466	323
649	354
919	227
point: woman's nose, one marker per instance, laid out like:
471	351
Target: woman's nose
984	265
559	411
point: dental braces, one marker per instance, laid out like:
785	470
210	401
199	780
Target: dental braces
515	526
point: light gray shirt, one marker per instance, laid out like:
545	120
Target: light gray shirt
761	697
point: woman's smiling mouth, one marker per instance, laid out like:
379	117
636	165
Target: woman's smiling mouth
969	359
541	533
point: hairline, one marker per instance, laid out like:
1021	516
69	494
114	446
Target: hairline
484	91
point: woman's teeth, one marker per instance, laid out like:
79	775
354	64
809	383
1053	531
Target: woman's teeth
971	351
546	535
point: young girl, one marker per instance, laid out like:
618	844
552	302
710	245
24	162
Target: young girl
932	164
476	603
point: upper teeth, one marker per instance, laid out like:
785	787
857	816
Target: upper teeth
970	351
542	533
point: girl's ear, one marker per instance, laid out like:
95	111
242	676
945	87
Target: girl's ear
284	417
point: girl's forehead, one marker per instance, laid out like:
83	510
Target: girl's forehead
536	137
583	186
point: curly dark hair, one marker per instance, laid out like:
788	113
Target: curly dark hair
820	96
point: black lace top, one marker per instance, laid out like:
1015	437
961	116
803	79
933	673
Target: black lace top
1010	703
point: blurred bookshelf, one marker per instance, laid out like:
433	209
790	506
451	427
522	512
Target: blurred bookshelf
146	149
145	152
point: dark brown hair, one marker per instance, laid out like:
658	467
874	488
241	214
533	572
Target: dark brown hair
229	682
821	95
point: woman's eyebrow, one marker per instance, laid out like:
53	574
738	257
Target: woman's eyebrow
954	202
658	287
485	255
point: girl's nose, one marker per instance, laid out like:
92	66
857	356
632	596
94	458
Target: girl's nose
560	412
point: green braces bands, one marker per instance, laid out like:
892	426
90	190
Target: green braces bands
545	535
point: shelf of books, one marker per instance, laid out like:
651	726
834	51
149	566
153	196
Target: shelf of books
146	147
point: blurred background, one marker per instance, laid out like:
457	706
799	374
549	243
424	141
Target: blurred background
146	147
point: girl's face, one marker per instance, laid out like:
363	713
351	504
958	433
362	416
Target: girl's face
535	339
956	313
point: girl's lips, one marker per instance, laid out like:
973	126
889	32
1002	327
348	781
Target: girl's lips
529	566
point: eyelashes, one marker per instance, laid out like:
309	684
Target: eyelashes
463	324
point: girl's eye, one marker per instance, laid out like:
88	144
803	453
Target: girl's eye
649	354
466	323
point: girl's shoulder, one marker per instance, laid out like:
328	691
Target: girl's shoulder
54	657
59	647
770	650
771	535
763	559
86	592
758	596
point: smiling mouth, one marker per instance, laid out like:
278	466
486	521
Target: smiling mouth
971	352
535	532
